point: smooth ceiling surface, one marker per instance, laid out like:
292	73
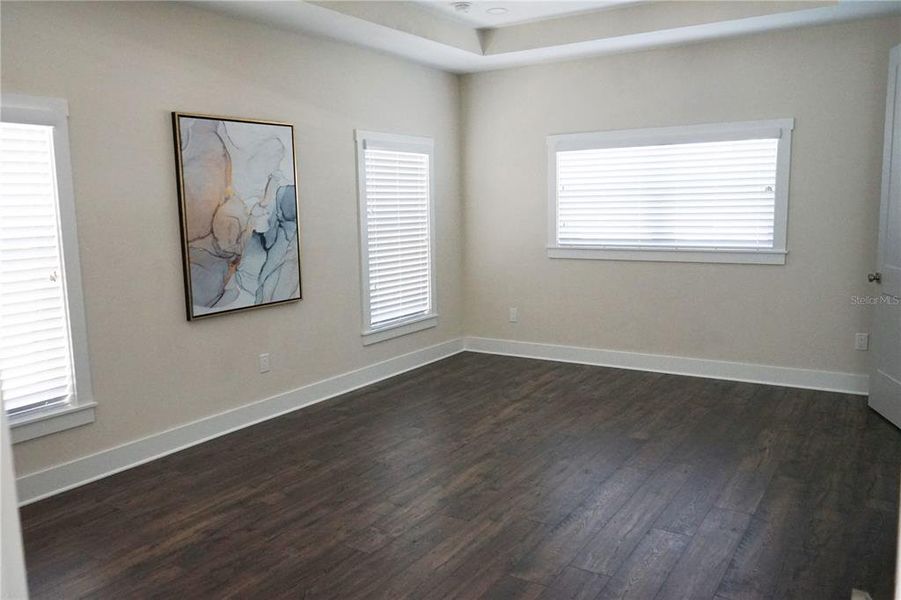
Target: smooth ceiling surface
486	14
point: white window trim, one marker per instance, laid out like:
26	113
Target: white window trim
16	108
716	132
408	143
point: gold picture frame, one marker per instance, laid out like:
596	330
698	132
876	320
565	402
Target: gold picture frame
238	211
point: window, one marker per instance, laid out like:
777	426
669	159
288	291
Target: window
44	375
397	244
705	193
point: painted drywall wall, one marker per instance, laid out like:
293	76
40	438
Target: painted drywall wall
123	67
830	79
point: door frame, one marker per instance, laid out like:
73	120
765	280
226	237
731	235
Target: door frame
888	151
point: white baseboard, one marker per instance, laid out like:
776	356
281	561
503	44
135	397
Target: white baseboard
59	478
885	389
832	381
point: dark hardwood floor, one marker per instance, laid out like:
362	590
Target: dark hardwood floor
493	477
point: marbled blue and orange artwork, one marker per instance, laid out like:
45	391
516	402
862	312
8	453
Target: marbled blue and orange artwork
239	213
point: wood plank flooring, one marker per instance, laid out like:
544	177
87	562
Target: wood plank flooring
484	476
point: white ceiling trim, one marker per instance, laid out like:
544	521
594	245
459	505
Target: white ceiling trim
316	20
690	34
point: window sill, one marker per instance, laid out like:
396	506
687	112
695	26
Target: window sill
760	257
41	423
399	329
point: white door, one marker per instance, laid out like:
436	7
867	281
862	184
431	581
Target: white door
885	382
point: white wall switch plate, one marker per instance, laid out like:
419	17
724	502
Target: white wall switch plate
514	314
264	363
862	341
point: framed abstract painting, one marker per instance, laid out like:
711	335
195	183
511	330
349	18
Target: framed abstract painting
237	193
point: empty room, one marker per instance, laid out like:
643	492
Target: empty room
422	299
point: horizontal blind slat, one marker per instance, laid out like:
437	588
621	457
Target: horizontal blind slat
35	356
397	234
680	195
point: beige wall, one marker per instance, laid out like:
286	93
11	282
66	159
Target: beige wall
830	79
124	67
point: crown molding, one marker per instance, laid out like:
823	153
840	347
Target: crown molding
447	46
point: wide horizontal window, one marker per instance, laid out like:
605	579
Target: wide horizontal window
716	193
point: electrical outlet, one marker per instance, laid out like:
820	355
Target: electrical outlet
264	363
514	314
862	341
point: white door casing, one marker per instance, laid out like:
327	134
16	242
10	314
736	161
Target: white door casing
13	584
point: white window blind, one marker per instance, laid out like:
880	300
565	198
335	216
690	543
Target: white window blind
397	235
717	194
35	350
702	190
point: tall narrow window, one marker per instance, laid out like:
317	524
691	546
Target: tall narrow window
396	234
38	373
35	360
709	193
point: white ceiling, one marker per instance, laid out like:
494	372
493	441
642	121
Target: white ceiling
413	44
488	14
